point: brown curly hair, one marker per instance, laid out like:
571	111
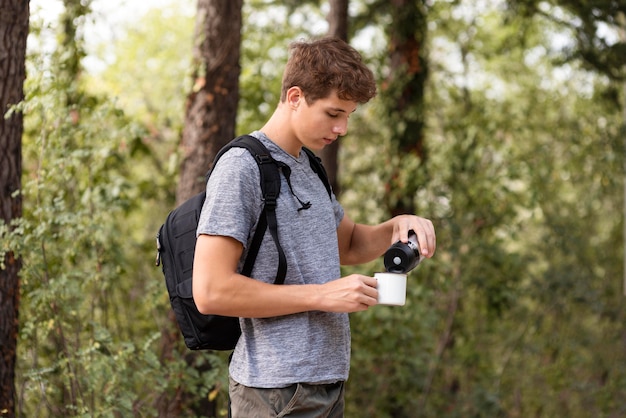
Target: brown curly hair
320	66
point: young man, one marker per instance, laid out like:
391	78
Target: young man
294	352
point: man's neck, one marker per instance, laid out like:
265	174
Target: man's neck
278	130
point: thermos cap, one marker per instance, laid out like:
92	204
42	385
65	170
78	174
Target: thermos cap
401	257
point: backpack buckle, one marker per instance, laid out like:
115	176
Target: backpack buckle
263	158
270	200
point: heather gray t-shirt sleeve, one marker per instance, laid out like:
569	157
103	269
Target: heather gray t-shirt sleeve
234	202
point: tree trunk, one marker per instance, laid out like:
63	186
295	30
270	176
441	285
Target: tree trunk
14	15
337	27
212	103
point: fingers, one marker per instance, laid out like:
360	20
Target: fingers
367	292
426	238
371	285
351	293
424	231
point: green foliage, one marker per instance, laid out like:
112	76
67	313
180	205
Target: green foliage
76	350
390	355
150	82
522	173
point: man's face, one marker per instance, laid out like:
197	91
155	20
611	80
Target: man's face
322	122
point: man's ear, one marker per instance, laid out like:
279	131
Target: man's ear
294	96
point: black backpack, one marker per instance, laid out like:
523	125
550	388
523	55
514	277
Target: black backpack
176	243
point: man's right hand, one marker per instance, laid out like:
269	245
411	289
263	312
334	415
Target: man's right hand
352	293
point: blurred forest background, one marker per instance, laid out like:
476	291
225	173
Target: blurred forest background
503	121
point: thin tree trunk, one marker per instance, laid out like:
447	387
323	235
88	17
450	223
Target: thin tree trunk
621	20
404	94
14	15
337	27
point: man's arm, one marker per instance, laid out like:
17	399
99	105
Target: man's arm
360	243
219	289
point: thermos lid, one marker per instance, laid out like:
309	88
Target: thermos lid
400	258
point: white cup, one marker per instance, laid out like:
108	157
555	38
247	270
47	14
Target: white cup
391	288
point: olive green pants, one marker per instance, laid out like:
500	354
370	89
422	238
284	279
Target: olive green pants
297	401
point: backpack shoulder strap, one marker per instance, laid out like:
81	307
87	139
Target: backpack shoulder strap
270	188
318	168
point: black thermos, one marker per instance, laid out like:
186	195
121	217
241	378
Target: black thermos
401	257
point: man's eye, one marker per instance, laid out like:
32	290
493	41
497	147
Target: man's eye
333	115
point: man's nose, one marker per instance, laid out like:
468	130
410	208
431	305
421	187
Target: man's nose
341	128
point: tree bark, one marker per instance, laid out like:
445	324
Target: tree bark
337	27
211	107
14	15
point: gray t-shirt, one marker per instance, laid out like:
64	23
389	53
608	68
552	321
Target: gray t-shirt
310	347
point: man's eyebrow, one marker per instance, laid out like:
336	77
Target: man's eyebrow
338	109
